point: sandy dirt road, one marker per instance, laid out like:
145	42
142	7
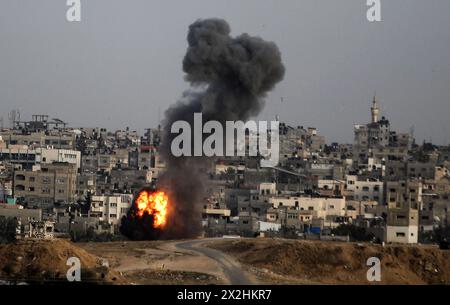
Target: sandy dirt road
229	268
143	260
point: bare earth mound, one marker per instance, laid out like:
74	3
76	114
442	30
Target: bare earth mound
45	262
152	263
314	262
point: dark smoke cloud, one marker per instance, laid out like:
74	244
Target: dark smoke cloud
238	71
234	73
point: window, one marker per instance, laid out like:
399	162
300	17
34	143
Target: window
20	177
400	234
20	187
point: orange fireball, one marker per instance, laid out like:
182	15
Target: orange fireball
154	204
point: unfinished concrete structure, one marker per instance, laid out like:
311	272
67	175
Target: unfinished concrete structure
404	199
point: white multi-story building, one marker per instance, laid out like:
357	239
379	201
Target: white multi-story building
112	208
50	155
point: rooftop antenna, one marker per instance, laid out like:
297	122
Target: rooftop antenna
159	115
13	117
277	117
411	131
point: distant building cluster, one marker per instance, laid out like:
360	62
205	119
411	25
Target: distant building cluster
72	180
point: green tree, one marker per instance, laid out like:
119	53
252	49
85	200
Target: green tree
8	228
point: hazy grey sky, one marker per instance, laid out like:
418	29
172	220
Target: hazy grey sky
122	62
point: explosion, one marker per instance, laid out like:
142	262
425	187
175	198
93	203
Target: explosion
230	77
154	204
147	217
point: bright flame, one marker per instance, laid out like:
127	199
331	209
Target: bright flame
154	204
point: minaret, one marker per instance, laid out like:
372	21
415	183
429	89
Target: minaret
375	110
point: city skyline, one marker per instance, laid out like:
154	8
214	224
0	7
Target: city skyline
221	149
120	60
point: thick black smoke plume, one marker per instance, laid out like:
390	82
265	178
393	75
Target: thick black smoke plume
232	76
234	73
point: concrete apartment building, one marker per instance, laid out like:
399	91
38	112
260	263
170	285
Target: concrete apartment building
404	199
215	218
86	183
364	209
46	184
400	170
19	155
252	209
322	207
290	217
130	180
26	157
376	140
51	155
56	138
299	142
98	162
383	154
435	209
371	135
267	188
17	211
365	190
330	187
111	208
126	138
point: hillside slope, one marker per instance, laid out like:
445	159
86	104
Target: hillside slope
44	261
315	262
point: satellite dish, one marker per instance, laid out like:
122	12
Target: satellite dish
436	218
